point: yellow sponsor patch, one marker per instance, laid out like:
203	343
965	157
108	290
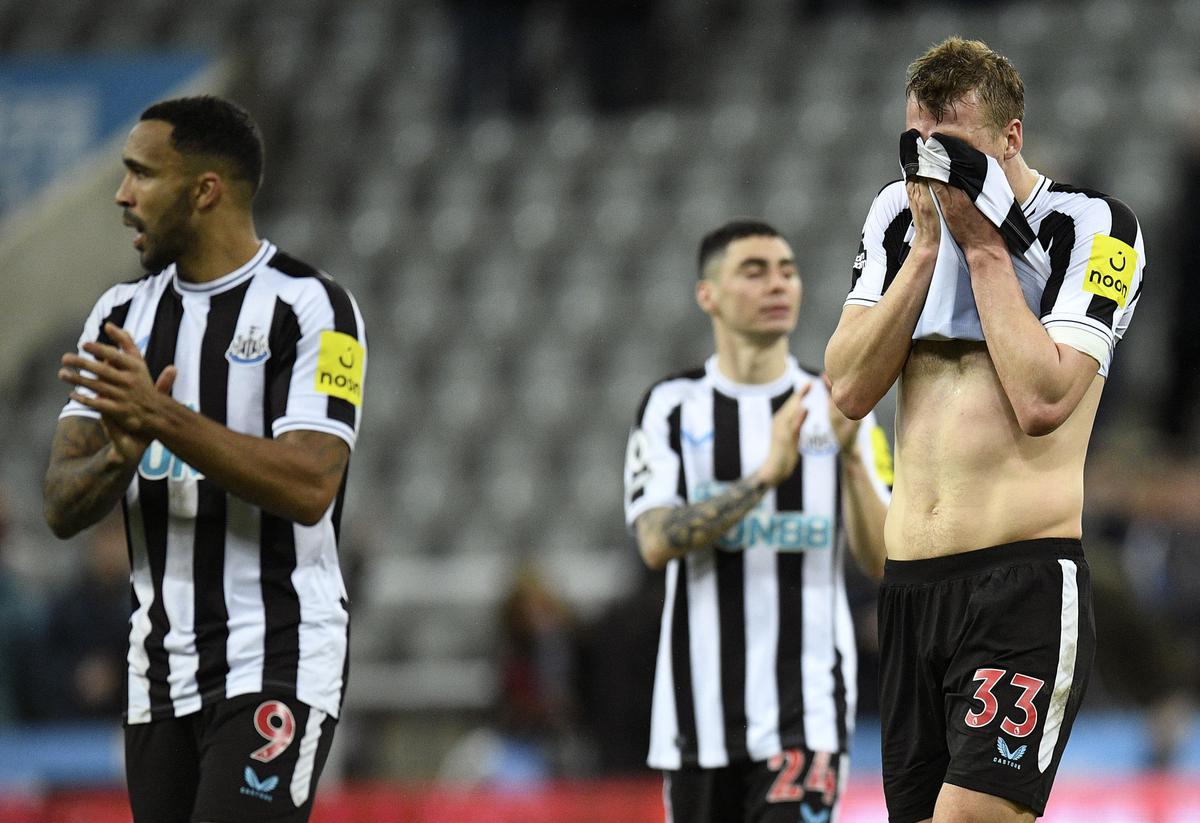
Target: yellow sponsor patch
1110	269
340	366
883	455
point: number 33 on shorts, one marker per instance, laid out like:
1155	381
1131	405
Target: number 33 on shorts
1024	716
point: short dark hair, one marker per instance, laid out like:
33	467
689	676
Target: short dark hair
955	67
717	240
208	125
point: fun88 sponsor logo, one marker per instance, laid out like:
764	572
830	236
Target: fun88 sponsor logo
765	529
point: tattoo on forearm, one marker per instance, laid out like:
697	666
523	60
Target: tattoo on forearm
702	524
80	485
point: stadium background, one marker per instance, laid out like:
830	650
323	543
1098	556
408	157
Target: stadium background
514	191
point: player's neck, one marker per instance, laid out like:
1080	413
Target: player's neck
752	363
1021	178
218	251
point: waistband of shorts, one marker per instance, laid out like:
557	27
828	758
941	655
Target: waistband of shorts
977	561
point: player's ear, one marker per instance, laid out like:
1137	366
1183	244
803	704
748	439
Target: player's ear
209	189
705	298
1014	139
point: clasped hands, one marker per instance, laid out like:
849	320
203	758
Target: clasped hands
120	388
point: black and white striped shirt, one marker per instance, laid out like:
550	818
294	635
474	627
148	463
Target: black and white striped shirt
756	651
229	599
1082	275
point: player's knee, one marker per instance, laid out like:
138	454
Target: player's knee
958	805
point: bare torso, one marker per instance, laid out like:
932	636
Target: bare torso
967	477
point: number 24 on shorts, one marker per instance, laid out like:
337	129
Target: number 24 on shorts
792	782
987	679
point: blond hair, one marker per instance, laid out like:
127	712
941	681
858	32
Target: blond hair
954	68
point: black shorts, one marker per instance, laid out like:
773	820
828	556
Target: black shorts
795	785
985	657
255	757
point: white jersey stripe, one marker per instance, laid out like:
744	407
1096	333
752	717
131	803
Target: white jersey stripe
138	710
664	724
1068	645
820	614
760	585
705	638
301	784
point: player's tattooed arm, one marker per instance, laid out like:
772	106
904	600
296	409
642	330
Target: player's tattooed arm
667	533
88	473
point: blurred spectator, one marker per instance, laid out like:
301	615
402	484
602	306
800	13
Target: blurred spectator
535	736
618	674
21	628
1146	580
621	50
1179	412
88	630
539	659
492	67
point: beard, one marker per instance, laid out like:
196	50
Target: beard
171	238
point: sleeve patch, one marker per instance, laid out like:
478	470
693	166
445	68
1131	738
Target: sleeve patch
340	367
1110	269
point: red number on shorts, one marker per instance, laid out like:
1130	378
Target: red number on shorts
274	721
821	778
1031	687
983	694
789	763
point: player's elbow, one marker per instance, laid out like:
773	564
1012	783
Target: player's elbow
1041	419
851	400
310	507
654	554
311	513
60	526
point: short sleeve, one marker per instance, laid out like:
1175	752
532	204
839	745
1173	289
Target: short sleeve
882	247
113	306
317	382
1100	285
653	466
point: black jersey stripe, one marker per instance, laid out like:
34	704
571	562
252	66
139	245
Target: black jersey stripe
344	319
859	262
840	547
284	338
895	249
281	605
1057	236
116	316
681	654
681	666
153	501
789	571
675	440
731	591
278	544
689	374
208	566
